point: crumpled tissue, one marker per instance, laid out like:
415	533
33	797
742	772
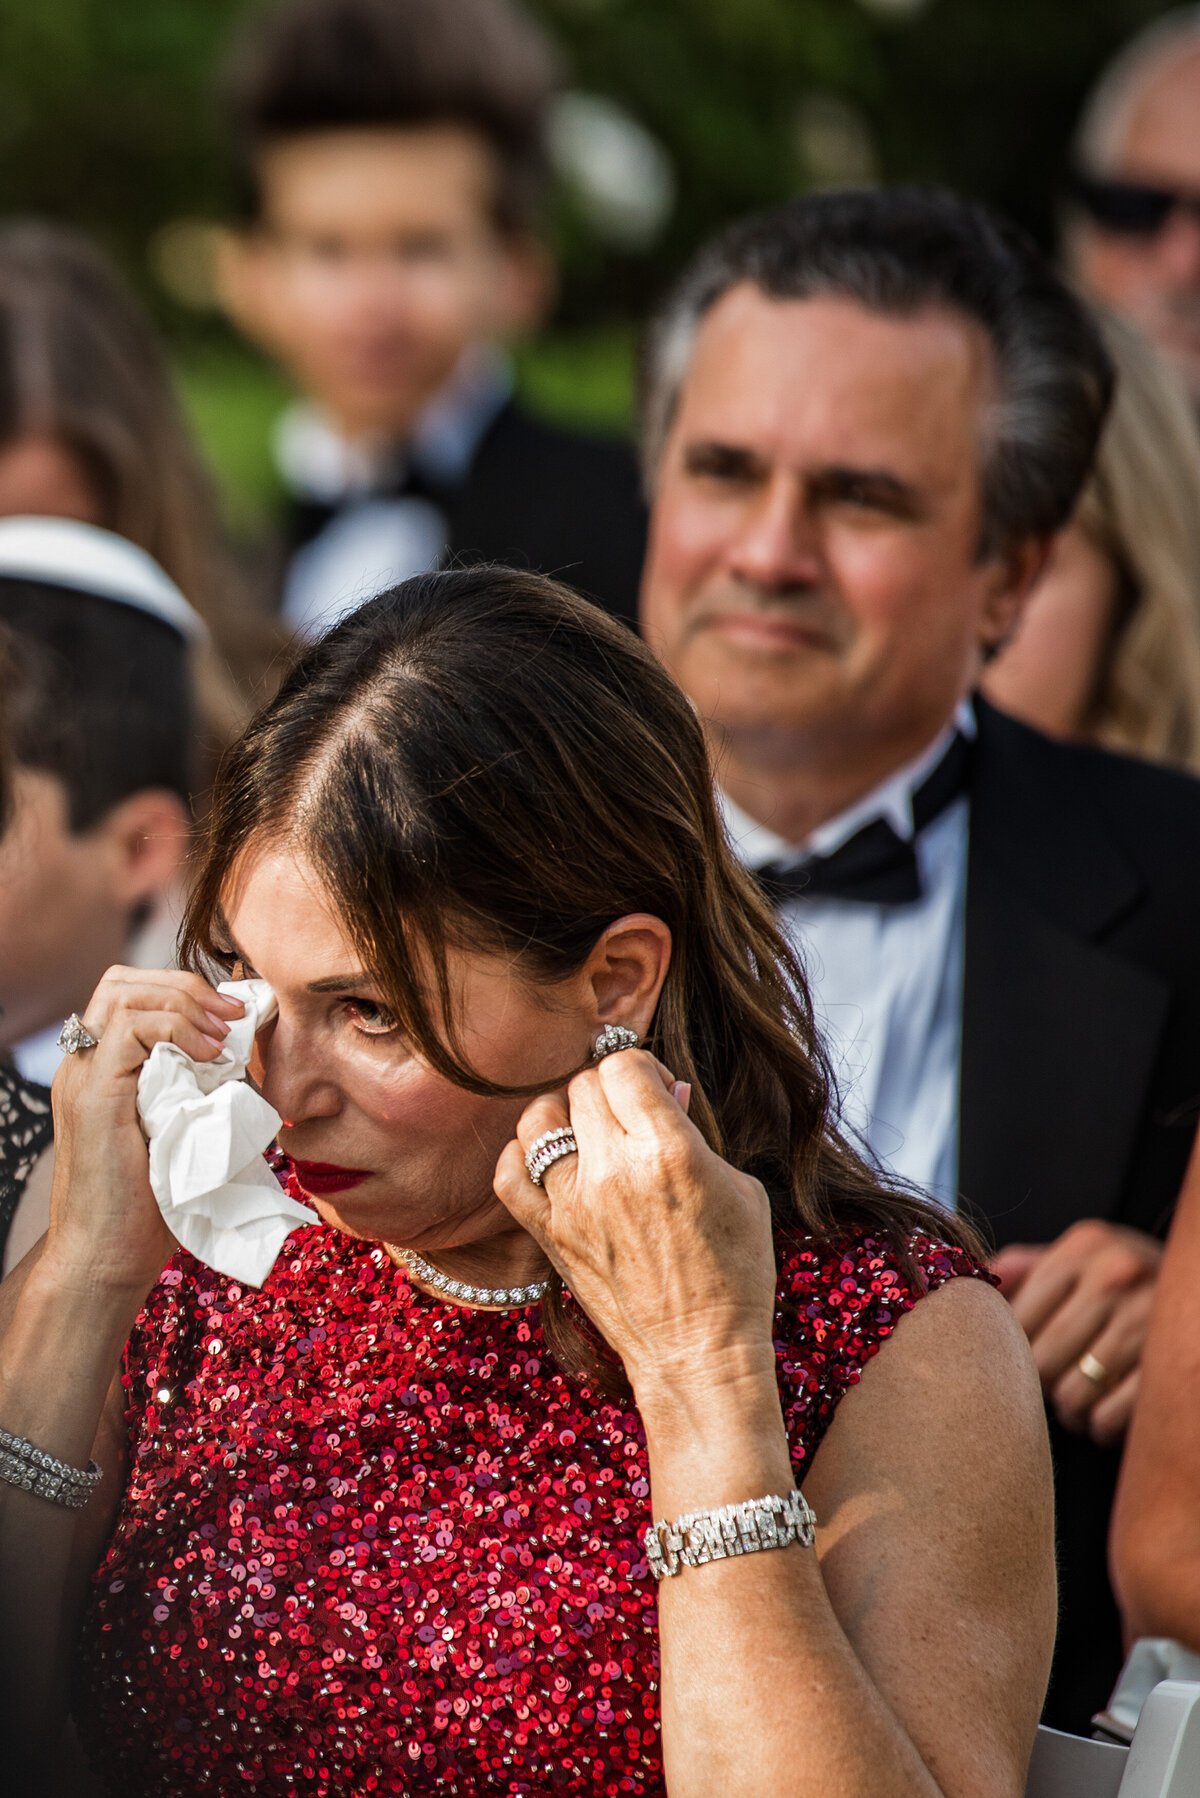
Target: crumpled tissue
207	1131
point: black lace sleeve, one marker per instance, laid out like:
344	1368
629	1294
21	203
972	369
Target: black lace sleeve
26	1128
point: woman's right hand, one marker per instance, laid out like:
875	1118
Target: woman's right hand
106	1230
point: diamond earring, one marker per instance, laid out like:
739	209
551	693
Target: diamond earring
612	1039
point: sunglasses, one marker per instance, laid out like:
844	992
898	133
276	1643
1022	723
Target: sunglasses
1131	208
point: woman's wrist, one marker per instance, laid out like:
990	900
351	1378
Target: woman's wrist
62	1344
103	1299
716	1440
682	1393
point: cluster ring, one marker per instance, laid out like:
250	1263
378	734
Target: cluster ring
550	1147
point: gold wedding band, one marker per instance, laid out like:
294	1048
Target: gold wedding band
1092	1369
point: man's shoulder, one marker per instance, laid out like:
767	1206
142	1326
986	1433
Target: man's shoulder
565	450
1140	795
543	496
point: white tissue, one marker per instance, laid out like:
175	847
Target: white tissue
207	1130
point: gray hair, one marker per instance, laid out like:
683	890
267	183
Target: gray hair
1118	93
900	251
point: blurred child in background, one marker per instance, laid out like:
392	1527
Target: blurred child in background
392	169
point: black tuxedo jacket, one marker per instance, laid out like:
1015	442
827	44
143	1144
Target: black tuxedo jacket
541	497
1080	1073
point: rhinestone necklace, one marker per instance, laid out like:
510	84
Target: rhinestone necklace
507	1297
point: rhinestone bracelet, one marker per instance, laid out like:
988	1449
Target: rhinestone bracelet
741	1529
33	1470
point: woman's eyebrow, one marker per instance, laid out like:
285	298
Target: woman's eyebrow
337	983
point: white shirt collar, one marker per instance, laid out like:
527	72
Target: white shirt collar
318	463
757	844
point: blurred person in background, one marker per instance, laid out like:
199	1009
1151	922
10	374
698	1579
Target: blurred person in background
1156	1523
26	1124
1108	649
90	429
1133	219
1002	931
392	167
102	740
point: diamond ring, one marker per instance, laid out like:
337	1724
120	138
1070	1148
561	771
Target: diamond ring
1093	1369
75	1036
550	1147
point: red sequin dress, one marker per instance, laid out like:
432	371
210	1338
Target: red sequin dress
373	1543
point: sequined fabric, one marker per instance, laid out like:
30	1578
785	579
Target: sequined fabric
373	1543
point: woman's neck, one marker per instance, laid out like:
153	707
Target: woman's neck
511	1258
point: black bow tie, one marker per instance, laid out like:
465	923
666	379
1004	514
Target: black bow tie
875	865
307	518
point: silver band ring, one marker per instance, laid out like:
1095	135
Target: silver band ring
550	1147
1093	1370
75	1036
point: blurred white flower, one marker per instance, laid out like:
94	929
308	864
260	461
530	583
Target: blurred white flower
621	175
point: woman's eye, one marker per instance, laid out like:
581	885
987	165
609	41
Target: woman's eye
370	1017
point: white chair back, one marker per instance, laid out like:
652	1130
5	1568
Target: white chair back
1163	1760
1164	1756
1074	1767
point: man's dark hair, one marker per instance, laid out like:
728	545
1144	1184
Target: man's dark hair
97	694
898	251
321	65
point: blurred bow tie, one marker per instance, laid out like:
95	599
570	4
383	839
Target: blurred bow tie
307	517
876	865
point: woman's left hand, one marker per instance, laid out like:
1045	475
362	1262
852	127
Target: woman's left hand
667	1248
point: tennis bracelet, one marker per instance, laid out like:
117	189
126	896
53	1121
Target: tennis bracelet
740	1529
33	1470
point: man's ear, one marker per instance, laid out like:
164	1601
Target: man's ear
145	842
527	289
244	283
1013	576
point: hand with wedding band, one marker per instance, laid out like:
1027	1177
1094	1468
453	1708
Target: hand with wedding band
1084	1302
106	1229
667	1248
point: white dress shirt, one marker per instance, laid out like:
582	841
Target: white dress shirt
379	536
887	980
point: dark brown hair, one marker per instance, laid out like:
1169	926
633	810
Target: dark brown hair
481	758
322	65
97	694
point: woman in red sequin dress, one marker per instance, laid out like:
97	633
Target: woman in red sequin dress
355	1536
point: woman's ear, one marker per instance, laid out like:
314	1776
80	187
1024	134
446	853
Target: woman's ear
626	969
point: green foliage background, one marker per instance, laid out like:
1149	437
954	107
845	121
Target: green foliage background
108	119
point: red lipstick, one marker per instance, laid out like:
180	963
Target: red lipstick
320	1177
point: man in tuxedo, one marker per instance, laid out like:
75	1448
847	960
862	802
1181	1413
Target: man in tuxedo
866	415
390	155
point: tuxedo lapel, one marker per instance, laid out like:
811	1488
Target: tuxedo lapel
1059	1034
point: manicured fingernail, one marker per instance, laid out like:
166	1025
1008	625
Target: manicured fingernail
682	1091
217	1023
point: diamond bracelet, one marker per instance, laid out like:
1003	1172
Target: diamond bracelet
741	1529
33	1470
